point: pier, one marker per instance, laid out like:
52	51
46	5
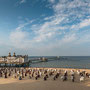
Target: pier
19	60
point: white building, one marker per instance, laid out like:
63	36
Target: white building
19	59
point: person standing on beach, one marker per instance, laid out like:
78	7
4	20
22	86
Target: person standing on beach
5	74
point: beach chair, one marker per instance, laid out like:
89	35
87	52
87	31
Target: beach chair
72	78
63	78
45	78
81	79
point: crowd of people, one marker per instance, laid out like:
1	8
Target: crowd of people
37	73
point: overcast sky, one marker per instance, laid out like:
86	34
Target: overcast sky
45	27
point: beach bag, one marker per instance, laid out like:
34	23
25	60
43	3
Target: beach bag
20	78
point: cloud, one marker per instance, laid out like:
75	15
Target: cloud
49	29
22	1
59	24
69	16
77	9
19	39
62	29
85	23
69	38
19	2
51	1
19	36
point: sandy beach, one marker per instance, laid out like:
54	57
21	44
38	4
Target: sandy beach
43	85
32	84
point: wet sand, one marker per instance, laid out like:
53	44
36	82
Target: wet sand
50	84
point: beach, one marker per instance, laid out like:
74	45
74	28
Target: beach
42	85
26	83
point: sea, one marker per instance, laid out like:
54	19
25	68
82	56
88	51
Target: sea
81	62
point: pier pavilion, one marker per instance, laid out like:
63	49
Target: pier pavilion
12	60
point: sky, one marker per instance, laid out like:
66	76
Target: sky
45	27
